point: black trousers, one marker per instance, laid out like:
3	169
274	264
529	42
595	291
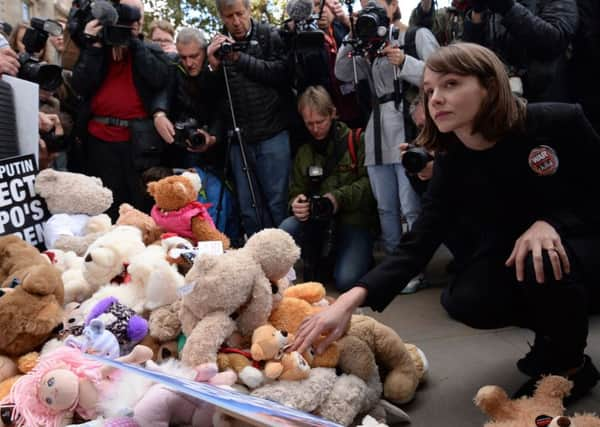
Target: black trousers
113	163
486	295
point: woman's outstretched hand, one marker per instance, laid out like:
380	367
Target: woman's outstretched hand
331	322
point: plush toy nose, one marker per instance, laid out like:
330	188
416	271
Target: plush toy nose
5	416
88	258
274	288
166	353
284	333
563	422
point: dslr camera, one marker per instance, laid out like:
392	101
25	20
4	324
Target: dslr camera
54	143
320	207
226	48
48	76
117	20
415	159
371	29
187	130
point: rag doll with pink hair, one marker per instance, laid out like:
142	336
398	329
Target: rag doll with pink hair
65	385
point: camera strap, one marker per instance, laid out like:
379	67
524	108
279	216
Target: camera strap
341	146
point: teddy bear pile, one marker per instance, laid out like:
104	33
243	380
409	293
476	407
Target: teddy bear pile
141	291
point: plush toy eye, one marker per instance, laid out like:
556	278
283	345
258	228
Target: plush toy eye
15	282
49	401
51	382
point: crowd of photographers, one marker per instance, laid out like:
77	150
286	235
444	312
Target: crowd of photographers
310	120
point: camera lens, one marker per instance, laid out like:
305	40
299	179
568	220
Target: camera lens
415	159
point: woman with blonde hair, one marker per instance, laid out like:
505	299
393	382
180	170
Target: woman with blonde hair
512	179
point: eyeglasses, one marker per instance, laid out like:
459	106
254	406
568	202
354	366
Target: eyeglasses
163	41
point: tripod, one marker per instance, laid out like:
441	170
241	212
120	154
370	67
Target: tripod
237	133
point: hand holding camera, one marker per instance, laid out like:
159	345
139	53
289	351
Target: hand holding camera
9	63
222	48
394	54
92	30
208	141
417	161
301	208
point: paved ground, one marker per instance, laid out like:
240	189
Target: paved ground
463	359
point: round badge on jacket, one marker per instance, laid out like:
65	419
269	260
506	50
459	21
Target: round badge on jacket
543	160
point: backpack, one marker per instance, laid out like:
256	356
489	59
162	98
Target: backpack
353	137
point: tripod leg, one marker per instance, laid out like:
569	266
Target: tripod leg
225	171
249	179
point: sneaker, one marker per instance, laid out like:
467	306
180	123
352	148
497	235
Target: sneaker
584	379
416	283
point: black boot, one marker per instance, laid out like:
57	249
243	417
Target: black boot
584	379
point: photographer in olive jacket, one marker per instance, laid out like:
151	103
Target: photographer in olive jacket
330	196
117	81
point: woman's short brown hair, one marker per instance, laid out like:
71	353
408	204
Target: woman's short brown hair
317	99
163	25
500	112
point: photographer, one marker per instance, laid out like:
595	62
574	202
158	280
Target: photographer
447	23
257	73
117	84
187	104
331	200
532	38
386	66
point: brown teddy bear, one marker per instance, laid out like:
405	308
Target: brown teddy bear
32	297
269	344
544	408
297	304
177	210
128	215
369	344
233	292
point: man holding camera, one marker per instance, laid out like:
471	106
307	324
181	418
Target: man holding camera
117	78
533	39
184	113
251	56
333	208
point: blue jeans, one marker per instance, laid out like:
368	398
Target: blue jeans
270	164
395	198
353	250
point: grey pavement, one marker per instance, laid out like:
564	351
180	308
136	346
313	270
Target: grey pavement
463	359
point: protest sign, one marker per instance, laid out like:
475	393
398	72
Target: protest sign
26	98
21	211
253	410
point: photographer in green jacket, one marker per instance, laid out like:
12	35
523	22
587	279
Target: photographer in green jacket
333	209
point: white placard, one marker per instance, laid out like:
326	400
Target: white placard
27	99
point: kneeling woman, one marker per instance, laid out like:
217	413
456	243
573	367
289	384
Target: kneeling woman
518	183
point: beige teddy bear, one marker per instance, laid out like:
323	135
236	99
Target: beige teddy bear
544	408
77	203
236	285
